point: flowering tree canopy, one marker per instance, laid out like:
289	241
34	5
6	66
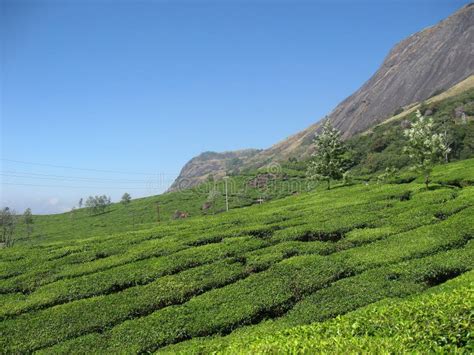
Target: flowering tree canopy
328	161
425	147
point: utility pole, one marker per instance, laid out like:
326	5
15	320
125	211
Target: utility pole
158	212
226	195
445	124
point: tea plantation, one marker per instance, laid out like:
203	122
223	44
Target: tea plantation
363	267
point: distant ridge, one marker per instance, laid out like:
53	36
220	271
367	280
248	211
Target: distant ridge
199	168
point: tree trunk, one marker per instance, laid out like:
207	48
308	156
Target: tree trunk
329	184
427	181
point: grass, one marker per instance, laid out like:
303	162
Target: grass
141	214
371	153
300	266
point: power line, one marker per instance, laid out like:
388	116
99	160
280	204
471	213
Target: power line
26	175
78	187
83	169
72	180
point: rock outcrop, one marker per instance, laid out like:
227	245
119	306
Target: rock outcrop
422	65
210	165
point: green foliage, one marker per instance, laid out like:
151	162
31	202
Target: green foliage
7	224
363	267
398	280
439	321
388	174
381	147
329	161
28	220
97	204
425	147
184	285
126	198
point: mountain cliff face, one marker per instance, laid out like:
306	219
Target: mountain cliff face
418	67
207	164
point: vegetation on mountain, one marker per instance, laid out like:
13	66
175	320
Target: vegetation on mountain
376	156
97	204
126	198
8	223
206	281
425	147
405	79
250	254
382	147
436	321
28	220
329	161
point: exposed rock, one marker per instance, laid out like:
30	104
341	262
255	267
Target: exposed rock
198	169
458	111
418	67
405	124
426	62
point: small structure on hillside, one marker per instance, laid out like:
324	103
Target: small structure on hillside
180	214
261	180
206	205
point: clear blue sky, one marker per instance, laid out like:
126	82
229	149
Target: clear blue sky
137	88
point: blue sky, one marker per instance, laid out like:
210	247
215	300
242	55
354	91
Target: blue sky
103	97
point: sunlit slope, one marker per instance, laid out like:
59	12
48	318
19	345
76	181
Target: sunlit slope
438	320
143	213
371	152
297	260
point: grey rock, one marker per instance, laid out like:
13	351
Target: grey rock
420	66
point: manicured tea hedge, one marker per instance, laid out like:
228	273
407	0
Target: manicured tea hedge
211	282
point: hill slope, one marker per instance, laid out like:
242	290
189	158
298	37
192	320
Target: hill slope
293	261
372	152
426	63
438	320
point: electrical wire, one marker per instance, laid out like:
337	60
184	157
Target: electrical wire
76	168
27	175
79	187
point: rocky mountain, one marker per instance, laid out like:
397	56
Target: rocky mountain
207	164
420	66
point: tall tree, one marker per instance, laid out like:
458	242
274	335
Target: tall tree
425	147
328	161
91	204
7	224
28	219
80	202
126	198
98	204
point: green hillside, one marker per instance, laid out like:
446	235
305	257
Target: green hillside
251	278
142	213
439	320
370	152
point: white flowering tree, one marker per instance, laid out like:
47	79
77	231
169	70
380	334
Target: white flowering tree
328	161
425	147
